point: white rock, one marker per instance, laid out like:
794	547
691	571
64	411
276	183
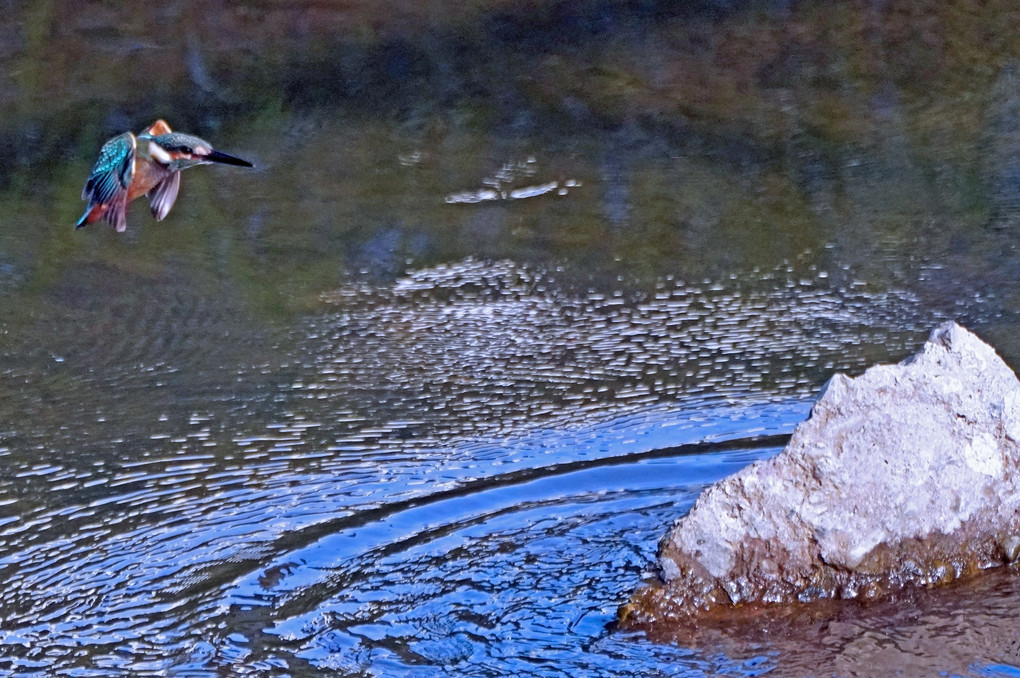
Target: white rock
896	473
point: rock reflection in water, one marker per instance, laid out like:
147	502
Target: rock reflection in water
961	629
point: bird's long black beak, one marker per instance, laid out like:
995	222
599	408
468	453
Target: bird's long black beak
227	159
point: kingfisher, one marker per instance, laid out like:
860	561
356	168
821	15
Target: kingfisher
149	164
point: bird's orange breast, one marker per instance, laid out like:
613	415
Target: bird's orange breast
147	175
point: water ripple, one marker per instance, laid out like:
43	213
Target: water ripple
494	348
411	480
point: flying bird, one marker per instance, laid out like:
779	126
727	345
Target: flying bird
149	164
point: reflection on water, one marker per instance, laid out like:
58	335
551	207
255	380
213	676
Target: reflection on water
509	286
449	470
487	582
459	343
508	183
962	629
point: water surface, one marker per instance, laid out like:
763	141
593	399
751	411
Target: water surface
419	394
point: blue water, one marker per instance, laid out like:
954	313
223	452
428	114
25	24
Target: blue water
508	286
353	503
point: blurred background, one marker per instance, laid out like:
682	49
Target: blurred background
510	282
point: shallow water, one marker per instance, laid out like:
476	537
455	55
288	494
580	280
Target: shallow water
468	468
419	394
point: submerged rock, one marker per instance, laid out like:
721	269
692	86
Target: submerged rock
904	476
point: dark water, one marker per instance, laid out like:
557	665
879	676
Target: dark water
508	287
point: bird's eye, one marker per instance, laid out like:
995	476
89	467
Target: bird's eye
186	149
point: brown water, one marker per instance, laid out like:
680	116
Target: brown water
508	286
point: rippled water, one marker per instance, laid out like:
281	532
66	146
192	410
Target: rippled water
508	287
467	469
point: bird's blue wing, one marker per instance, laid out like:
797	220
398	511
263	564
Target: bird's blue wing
111	176
113	171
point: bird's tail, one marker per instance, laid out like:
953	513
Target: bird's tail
84	218
93	213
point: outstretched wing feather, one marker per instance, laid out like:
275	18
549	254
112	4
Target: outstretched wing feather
163	195
116	216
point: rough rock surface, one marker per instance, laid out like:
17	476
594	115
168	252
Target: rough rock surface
906	475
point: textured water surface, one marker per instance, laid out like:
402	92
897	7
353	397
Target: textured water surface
469	468
509	284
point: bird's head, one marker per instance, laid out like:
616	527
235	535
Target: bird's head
181	151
